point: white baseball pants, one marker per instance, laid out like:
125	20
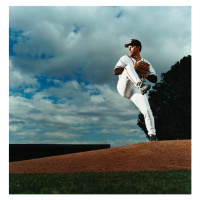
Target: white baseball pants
127	88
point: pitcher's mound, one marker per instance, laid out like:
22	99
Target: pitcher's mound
148	156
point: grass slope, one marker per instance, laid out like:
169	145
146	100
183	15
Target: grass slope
166	182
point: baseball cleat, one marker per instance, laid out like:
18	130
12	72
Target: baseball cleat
152	138
143	88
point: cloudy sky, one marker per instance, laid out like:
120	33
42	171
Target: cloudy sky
61	60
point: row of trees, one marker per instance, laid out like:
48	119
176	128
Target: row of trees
170	102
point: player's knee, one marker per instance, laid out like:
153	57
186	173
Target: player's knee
125	93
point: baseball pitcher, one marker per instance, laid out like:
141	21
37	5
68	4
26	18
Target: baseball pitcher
133	70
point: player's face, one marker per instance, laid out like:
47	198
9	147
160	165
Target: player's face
133	50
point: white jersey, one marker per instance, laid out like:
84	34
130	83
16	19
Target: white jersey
125	60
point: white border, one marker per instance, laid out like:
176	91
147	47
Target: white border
99	3
4	19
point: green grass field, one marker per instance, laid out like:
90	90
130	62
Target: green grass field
167	182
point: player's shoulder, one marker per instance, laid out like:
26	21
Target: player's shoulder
125	58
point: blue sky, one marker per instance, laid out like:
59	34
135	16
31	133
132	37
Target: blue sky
61	60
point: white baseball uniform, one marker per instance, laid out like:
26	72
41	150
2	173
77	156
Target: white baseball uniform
127	87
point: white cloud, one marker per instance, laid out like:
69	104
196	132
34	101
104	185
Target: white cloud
58	136
19	79
97	99
30	90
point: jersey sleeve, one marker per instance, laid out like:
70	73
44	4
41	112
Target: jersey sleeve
151	70
121	62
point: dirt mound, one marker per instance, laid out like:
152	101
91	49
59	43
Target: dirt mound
149	156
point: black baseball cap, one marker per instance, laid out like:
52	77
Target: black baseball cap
134	42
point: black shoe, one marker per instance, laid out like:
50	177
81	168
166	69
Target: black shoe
152	138
143	88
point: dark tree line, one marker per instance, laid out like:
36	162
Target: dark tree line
170	102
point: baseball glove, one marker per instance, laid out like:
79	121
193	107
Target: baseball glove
142	69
